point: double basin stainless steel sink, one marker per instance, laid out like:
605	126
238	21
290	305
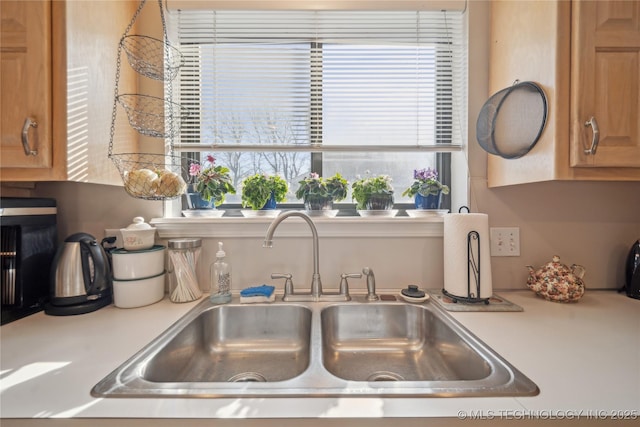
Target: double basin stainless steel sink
315	349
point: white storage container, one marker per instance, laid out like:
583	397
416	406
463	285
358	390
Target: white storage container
138	293
130	265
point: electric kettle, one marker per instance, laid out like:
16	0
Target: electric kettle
80	280
632	272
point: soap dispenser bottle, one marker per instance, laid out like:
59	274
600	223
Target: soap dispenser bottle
221	278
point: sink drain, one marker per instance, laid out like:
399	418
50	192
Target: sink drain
247	377
385	376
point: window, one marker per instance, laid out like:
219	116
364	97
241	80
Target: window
293	92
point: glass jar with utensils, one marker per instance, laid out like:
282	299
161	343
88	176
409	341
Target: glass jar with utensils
183	260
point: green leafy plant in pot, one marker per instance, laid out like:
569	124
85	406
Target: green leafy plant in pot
260	189
426	189
209	184
319	193
373	193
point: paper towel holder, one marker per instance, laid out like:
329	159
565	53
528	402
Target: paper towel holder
473	269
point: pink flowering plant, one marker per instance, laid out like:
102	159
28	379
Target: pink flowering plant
211	181
425	183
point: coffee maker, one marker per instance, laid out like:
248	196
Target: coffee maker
632	272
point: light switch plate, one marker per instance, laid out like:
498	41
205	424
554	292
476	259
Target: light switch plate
505	241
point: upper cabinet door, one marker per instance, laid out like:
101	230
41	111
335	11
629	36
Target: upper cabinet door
605	84
25	50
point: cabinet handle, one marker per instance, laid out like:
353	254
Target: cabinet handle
596	136
28	123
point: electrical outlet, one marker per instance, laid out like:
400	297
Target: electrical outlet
505	241
110	232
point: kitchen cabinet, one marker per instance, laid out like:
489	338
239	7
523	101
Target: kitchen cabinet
58	67
26	84
586	56
605	82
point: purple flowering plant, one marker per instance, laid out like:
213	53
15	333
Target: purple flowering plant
425	183
211	181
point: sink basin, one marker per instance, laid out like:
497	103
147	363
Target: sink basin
236	343
373	342
216	351
284	349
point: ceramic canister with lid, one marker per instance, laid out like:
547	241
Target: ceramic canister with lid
138	236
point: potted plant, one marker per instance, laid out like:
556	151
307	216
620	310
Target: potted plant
319	193
261	191
209	184
373	193
426	189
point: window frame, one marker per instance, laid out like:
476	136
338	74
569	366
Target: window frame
443	158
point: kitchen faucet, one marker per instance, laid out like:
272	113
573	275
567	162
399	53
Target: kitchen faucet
316	283
316	293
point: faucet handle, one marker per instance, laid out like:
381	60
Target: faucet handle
288	283
344	285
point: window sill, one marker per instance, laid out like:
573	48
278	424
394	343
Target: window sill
296	227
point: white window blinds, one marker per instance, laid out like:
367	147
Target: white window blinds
321	80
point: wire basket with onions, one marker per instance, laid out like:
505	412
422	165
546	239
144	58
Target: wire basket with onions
150	176
151	57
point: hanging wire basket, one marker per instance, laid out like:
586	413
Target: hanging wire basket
151	176
147	115
151	57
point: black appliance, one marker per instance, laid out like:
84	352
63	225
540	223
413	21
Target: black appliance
80	277
28	239
632	272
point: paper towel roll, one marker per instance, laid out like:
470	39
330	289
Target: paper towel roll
456	265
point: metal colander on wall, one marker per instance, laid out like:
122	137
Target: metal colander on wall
512	120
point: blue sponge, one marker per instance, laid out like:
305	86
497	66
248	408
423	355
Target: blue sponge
263	293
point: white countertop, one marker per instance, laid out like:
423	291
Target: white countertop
584	357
